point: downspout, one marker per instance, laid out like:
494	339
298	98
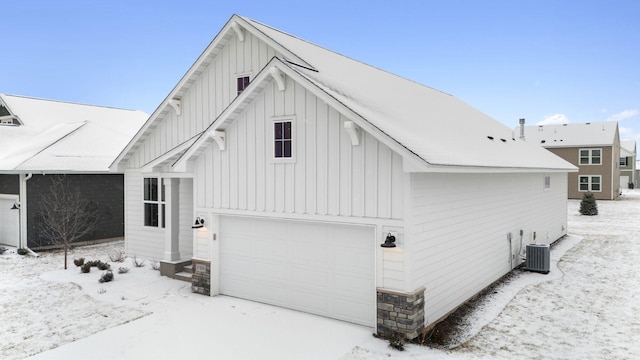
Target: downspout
23	214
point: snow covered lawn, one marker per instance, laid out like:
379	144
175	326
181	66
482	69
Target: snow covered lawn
587	307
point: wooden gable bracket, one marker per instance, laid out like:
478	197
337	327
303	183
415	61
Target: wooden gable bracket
238	30
278	76
354	132
220	138
176	104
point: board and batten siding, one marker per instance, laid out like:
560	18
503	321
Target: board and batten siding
328	176
459	225
206	98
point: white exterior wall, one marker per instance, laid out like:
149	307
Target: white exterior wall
186	218
459	225
140	241
207	97
329	175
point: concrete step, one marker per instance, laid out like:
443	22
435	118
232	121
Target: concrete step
184	276
188	269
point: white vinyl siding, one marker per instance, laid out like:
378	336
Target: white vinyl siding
329	177
459	226
141	241
209	95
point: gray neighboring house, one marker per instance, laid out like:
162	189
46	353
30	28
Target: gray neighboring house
43	139
628	159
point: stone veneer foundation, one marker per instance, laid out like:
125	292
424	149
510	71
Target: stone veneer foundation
400	313
201	279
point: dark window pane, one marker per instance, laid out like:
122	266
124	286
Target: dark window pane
595	180
162	190
151	189
595	187
287	130
242	83
277	151
287	149
584	187
151	215
163	216
278	130
584	180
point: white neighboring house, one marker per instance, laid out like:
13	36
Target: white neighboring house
628	156
43	138
299	163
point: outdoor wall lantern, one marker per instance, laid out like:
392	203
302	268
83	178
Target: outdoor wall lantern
198	224
389	242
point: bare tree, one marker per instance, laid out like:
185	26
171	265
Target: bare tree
66	215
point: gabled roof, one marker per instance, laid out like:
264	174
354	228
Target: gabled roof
433	128
628	148
56	136
572	135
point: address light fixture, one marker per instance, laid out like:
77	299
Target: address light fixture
198	224
389	242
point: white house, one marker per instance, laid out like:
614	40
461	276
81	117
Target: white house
299	163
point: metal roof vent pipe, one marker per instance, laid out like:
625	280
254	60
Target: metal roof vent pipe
521	129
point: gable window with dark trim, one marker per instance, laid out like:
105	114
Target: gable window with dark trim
590	156
242	83
154	202
282	139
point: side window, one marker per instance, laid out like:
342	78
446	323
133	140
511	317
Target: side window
154	202
242	83
547	182
590	156
282	139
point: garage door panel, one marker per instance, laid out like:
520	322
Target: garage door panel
300	265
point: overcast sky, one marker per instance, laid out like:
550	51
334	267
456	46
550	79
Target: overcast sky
549	61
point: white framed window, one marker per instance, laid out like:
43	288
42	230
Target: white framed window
623	161
242	81
282	134
547	182
154	202
590	156
591	183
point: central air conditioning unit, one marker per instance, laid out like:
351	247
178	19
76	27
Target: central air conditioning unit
538	258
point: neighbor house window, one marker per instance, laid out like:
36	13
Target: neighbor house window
590	156
623	161
242	83
590	183
547	182
282	139
154	203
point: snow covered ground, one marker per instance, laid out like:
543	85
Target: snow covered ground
587	307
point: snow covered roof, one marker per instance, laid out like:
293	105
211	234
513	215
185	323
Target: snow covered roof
434	128
572	135
628	148
56	136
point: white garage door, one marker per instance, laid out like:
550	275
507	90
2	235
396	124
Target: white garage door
8	221
324	269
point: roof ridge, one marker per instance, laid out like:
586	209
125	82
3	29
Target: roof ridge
67	102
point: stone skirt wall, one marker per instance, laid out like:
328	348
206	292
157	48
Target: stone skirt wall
400	313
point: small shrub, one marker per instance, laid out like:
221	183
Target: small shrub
103	266
588	205
138	263
2	250
123	270
106	277
22	251
85	268
117	255
92	263
155	265
79	262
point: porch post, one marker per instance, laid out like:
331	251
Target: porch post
172	227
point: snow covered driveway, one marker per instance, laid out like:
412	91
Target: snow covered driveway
588	307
